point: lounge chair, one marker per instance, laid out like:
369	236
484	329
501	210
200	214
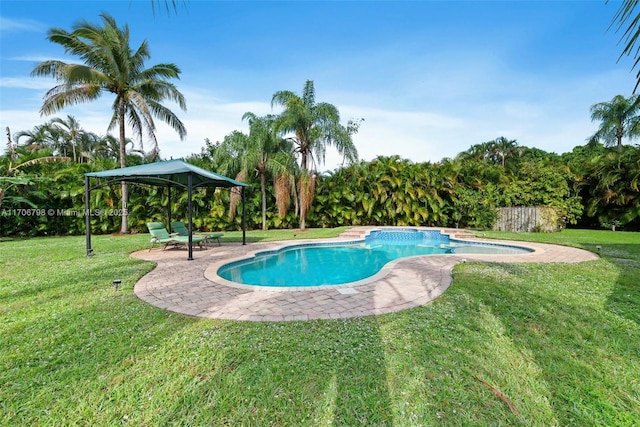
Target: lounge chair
182	230
159	234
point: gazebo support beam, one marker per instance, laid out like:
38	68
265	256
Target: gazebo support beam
190	210
87	217
169	208
244	217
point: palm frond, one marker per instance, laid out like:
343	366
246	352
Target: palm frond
626	16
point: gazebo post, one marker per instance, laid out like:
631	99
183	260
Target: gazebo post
189	209
169	207
244	218
87	216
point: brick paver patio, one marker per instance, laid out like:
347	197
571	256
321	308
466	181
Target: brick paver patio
193	288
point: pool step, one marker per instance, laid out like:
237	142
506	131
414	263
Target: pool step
459	234
353	236
464	236
354	233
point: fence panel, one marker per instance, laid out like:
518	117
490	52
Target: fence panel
527	218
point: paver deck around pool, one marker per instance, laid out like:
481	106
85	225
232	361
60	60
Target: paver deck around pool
192	287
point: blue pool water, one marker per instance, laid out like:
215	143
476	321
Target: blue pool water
339	263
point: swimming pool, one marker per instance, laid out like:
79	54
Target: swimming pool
336	263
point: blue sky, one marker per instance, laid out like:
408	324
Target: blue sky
430	78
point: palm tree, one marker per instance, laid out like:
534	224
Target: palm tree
313	127
267	152
501	148
71	130
108	147
36	139
261	152
228	157
618	118
477	152
110	65
86	146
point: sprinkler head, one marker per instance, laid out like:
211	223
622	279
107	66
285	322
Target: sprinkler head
117	283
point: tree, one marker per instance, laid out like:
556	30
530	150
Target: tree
261	152
313	127
110	65
502	148
495	152
614	188
618	119
72	130
108	147
36	139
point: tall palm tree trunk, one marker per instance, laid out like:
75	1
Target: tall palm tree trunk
282	188
303	188
73	146
303	209
124	226
619	135
306	191
263	188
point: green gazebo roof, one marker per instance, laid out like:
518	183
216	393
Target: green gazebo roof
169	172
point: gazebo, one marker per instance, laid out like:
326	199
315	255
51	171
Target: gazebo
170	173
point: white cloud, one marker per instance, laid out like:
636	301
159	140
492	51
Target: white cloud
7	24
19	120
208	116
27	83
42	58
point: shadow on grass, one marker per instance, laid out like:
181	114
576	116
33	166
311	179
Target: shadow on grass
64	329
55	362
78	352
542	335
624	299
288	373
562	317
67	281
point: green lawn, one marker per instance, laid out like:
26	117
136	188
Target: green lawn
507	344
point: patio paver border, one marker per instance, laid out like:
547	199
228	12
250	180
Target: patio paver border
192	287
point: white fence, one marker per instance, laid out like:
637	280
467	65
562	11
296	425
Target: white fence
528	218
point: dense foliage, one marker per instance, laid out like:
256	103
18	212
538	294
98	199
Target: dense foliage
592	186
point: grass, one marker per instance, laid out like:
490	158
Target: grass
507	344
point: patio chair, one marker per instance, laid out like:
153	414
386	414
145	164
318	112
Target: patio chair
182	230
159	234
